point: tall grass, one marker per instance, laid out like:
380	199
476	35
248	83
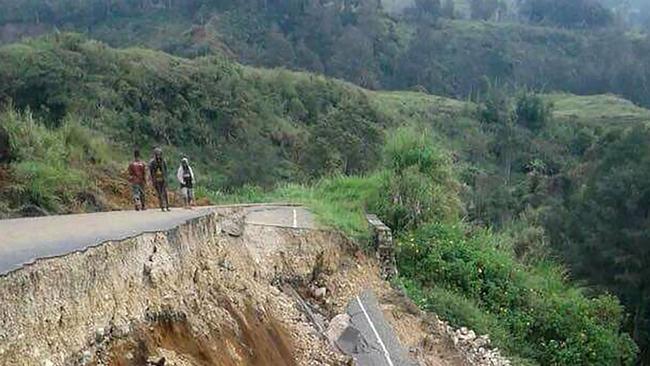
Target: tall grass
50	167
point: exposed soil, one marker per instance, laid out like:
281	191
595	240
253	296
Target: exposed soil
257	341
201	295
348	272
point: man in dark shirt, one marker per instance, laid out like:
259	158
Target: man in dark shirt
158	172
137	178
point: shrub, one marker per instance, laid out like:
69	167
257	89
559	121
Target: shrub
546	319
532	111
418	185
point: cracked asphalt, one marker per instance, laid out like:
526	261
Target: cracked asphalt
25	240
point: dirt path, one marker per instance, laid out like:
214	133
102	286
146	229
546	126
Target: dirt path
23	241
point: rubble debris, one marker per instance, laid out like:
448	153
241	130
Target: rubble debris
477	350
155	361
337	326
233	226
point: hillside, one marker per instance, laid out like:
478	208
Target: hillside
359	42
98	103
527	166
248	126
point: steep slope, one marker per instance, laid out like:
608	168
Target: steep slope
238	125
216	290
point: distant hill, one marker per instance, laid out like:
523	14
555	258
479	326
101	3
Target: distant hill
361	43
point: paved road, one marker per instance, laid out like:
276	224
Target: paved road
24	240
284	216
369	339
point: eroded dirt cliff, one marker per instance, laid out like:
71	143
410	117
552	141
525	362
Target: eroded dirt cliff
213	291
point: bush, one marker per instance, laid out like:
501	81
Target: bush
418	185
532	111
546	319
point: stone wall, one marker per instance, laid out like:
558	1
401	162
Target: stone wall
383	246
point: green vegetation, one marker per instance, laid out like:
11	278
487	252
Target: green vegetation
482	194
468	275
573	46
50	167
256	127
605	218
471	278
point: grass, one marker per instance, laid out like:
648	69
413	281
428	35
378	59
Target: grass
404	107
596	109
337	202
52	168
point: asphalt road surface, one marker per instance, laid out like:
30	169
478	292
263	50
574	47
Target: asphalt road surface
283	216
369	339
25	240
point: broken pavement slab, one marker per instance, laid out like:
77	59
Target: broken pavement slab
369	339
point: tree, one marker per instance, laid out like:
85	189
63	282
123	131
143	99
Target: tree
483	9
608	224
448	9
567	13
429	8
353	58
532	111
277	50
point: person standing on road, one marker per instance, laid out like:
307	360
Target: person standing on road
137	178
185	176
158	171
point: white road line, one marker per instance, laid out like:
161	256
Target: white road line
295	218
372	325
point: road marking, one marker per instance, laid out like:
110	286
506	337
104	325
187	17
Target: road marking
372	325
295	219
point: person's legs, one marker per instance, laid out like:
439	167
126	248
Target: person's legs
138	197
143	203
160	194
135	194
184	192
164	195
190	197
